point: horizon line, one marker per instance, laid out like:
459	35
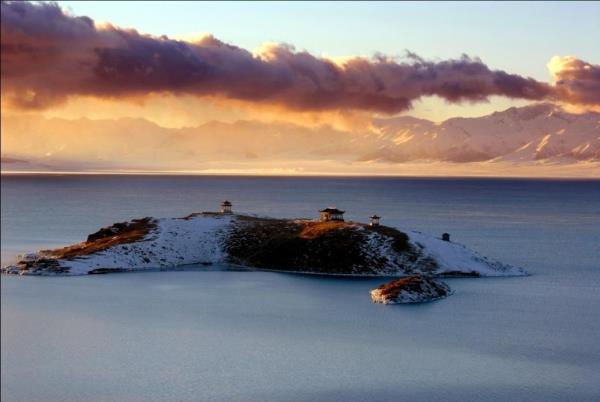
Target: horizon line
290	175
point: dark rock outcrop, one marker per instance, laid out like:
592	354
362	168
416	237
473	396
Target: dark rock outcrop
122	229
335	248
36	266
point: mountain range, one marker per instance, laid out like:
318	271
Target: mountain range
540	133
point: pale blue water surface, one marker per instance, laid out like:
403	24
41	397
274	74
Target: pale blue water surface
220	335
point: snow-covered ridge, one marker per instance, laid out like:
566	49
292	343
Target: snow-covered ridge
207	238
173	242
456	258
541	132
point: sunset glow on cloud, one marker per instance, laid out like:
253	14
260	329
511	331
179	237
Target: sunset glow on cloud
49	56
71	86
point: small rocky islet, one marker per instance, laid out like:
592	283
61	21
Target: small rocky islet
327	246
412	289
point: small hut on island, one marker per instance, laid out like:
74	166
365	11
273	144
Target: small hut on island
226	207
331	214
374	220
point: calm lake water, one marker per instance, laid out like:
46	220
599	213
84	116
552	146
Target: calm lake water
255	336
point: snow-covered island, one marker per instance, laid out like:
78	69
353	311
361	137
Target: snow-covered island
293	245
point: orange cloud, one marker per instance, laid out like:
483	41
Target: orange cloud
49	56
576	81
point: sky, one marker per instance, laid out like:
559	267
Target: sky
520	38
342	64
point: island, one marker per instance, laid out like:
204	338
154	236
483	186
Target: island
412	289
326	246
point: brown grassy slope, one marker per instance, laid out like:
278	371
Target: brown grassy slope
118	233
410	284
307	246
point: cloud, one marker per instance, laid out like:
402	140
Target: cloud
575	80
49	56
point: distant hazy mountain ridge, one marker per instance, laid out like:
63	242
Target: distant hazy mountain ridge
541	132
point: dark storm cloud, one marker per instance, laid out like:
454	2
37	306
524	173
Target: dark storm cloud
48	56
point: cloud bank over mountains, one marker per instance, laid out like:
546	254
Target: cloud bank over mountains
49	56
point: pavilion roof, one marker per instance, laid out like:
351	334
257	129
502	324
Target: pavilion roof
332	210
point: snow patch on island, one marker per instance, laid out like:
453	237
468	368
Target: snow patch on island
181	241
196	239
454	258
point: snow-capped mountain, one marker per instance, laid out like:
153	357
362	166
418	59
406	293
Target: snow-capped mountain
525	135
542	131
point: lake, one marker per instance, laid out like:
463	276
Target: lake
217	334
